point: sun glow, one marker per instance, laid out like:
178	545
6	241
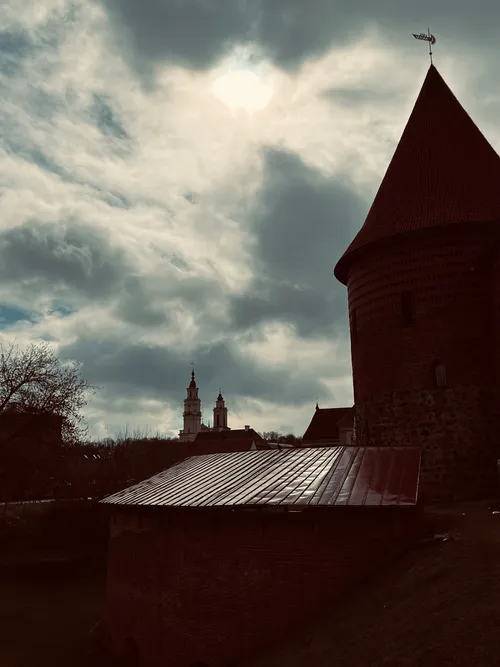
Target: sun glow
242	89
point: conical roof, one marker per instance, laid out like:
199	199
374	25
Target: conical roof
443	171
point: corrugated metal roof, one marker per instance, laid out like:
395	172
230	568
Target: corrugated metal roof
326	476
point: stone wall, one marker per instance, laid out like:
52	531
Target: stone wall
214	586
450	425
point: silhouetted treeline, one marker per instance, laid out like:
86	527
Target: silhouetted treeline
32	469
289	438
87	470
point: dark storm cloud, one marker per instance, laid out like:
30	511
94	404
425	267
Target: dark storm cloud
72	254
192	32
136	306
198	32
14	47
354	97
163	373
44	257
302	224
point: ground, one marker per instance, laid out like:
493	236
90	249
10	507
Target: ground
51	584
439	606
45	619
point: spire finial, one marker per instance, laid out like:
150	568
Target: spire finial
192	370
317	406
427	38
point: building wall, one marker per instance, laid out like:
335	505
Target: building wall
326	442
345	436
214	586
396	400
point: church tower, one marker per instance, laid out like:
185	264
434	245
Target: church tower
220	415
192	412
423	282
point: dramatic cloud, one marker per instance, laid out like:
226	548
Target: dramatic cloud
197	33
300	221
178	179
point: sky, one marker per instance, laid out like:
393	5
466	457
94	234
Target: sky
179	177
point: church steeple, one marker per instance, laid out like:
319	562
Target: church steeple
443	172
220	414
192	412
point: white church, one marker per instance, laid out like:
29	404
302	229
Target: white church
192	414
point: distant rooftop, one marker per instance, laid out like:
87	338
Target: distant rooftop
324	425
233	440
333	476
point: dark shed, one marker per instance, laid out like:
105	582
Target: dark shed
223	554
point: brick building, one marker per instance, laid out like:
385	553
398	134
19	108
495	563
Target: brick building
30	445
423	280
221	555
330	427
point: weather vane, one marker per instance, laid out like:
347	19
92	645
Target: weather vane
427	38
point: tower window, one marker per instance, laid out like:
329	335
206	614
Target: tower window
407	309
354	326
439	374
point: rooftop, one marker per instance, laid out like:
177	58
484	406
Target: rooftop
443	172
233	440
329	476
324	425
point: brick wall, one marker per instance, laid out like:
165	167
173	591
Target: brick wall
213	586
453	277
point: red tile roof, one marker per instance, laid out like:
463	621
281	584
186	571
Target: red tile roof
324	425
444	171
327	476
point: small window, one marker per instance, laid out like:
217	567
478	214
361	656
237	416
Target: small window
439	374
407	309
354	326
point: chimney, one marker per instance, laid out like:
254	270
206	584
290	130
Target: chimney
247	427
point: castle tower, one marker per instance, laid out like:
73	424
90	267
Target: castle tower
423	280
192	412
220	415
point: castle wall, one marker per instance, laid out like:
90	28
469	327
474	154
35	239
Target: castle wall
457	317
218	586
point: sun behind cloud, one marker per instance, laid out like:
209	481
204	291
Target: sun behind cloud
242	89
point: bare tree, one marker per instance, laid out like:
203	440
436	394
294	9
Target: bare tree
36	382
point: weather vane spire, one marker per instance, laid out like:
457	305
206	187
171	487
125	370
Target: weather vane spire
427	38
